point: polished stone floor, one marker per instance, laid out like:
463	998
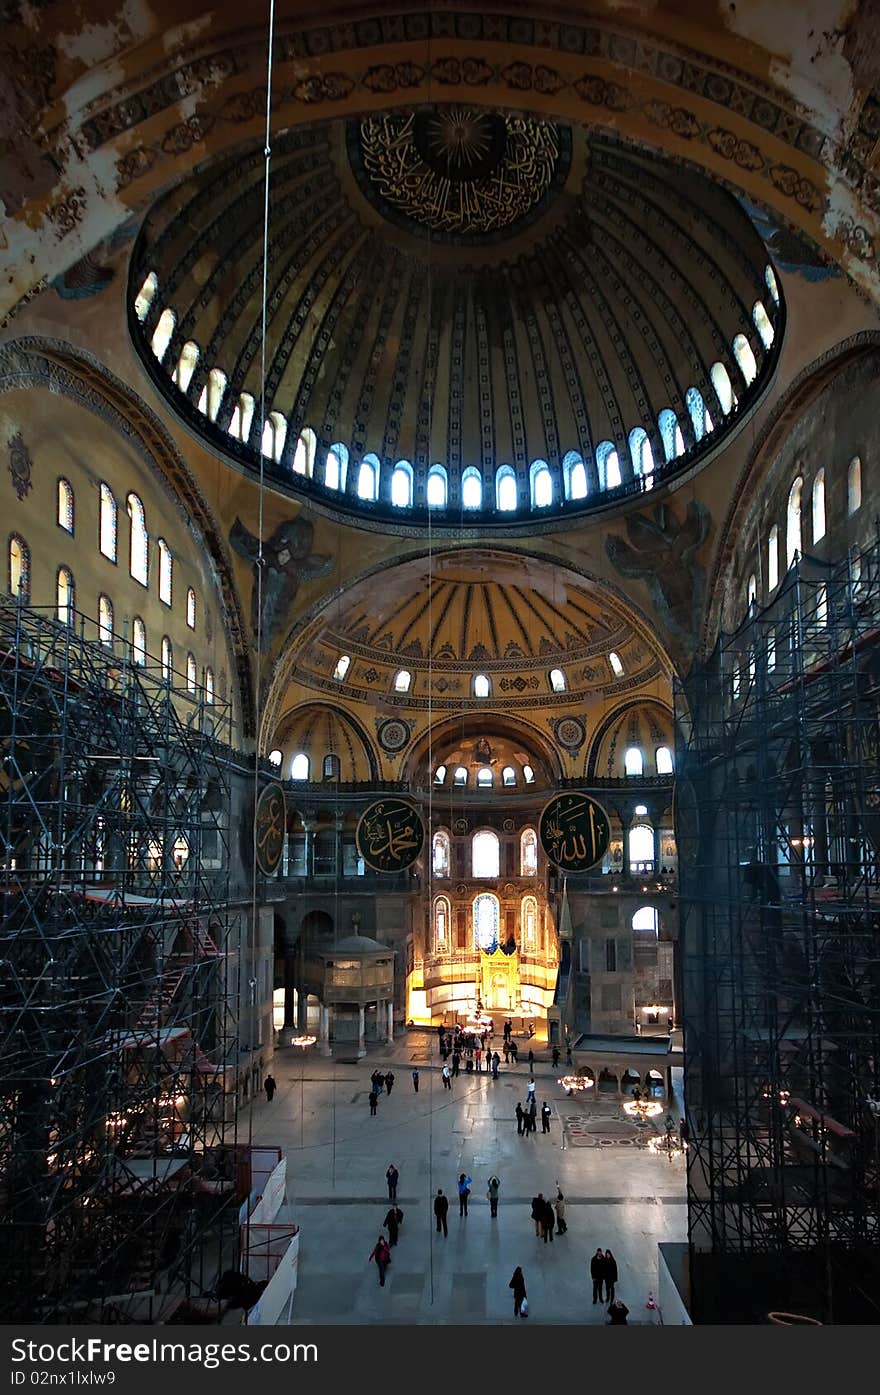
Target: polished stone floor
618	1195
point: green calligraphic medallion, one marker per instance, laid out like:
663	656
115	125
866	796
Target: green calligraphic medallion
390	835
574	831
270	829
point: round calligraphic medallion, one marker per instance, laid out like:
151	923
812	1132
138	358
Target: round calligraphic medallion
574	831
390	835
270	829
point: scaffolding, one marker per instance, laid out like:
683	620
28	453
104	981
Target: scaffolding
118	982
778	828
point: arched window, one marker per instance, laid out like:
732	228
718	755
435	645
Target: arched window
191	679
402	485
557	680
616	664
486	921
19	567
670	434
107	522
186	365
485	854
541	482
528	853
723	387
437	488
105	621
634	761
641	455
822	604
751	591
162	333
528	775
505	489
762	324
343	663
485	778
440	854
607	465
299	766
699	415
646	921
819	507
574	472
65	596
144	298
166	572
772	284
793	544
167	659
242	417
274	435
275	757
482	686
138	642
773	558
304	454
508	775
472	488
460	775
335	466
529	923
854	485
139	543
211	396
209	686
641	848
331	767
402	680
441	924
65	505
664	760
742	352
439	774
191	608
368	479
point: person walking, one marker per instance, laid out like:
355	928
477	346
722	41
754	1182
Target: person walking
392	1177
514	1051
496	1062
520	1302
456	1062
555	1056
538	1211
520	1118
597	1274
392	1223
381	1253
561	1225
446	1076
441	1209
530	1090
270	1087
464	1191
374	1100
545	1117
389	1081
415	1078
610	1275
492	1193
531	1061
548	1221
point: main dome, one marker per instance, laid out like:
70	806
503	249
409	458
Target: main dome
473	315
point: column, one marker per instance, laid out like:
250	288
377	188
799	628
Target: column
362	1049
389	1031
289	1010
324	1032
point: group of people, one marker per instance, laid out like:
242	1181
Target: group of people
603	1272
549	1215
527	1115
380	1083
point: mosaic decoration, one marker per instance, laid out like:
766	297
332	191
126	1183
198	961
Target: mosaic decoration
662	551
20	465
574	831
390	835
270	829
570	733
287	560
393	735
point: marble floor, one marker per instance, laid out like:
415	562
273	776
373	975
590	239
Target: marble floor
618	1195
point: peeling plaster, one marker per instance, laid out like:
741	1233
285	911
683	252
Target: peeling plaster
95	43
807	38
184	34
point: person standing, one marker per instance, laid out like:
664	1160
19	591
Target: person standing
456	1062
533	1115
392	1223
374	1100
555	1056
520	1118
610	1275
531	1061
389	1081
530	1090
447	1078
514	1051
464	1191
568	1059
392	1177
441	1208
494	1189
518	1284
561	1225
597	1274
545	1117
617	1313
506	1052
415	1078
538	1211
548	1221
382	1255
270	1087
478	1058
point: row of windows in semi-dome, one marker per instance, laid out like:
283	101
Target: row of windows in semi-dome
544	489
481	683
794	524
634	764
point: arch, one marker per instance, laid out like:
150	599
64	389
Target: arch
460	775
663	760
437	488
641	454
751	591
107	521
670	434
167	659
330	768
528	775
166	572
300	766
819	506
368	479
634	761
506	494
191	675
138	555
138	642
161	336
146	295
105	621
19	567
745	358
481	686
699	413
540	484
402	485
615	663
274	436
487	920
242	418
442	922
723	388
854	485
556	679
528	853
772	283
304	453
607	465
441	851
317	729
209	686
402	680
275	757
646	921
762	324
440	775
508	775
485	777
186	365
65	596
529	924
335	465
485	853
343	663
773	558
793	530
191	608
64	513
640	848
472	488
574	474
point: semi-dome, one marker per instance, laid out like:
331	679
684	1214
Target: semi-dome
591	316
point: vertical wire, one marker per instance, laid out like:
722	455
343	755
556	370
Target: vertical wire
430	711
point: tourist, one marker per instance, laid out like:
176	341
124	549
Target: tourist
392	1177
568	1059
610	1274
548	1221
456	1062
415	1079
389	1081
533	1115
506	1052
531	1061
492	1193
382	1255
514	1051
520	1302
597	1274
496	1062
545	1117
617	1313
374	1100
447	1078
538	1211
392	1223
555	1056
561	1225
520	1118
441	1208
270	1087
464	1191
530	1091
478	1057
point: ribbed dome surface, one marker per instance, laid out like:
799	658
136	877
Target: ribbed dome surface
493	329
